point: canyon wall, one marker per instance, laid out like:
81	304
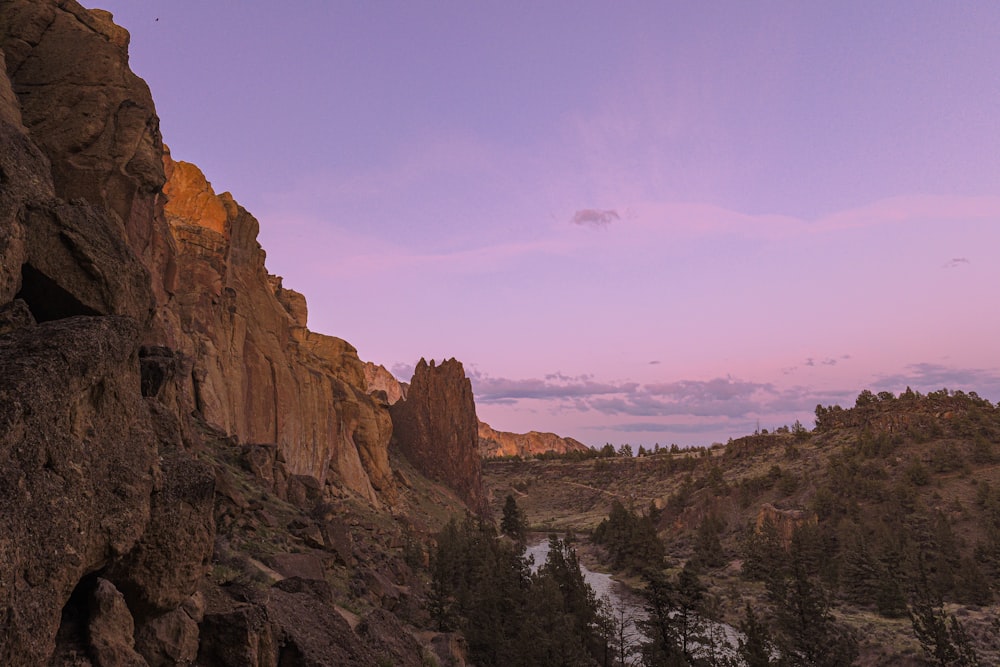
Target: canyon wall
257	371
138	324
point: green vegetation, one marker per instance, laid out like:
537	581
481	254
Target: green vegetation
881	527
631	539
482	585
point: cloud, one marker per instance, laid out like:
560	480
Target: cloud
402	372
553	386
595	217
718	397
656	427
956	262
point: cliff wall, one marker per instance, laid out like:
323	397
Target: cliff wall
495	444
141	339
257	371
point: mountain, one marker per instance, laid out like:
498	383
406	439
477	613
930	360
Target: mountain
190	476
498	444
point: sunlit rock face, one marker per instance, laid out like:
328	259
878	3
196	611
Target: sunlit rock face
436	429
493	443
377	378
258	373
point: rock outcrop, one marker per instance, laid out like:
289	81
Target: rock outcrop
437	430
377	378
496	444
783	521
94	121
258	373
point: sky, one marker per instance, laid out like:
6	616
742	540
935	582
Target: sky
633	222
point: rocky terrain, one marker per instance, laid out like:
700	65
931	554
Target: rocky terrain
188	475
492	443
500	444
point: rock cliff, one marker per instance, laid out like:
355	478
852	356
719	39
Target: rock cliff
257	371
164	411
496	444
436	429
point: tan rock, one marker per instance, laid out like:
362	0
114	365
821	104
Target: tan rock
91	115
493	443
95	122
377	378
191	197
258	373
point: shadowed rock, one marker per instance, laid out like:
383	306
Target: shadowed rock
437	430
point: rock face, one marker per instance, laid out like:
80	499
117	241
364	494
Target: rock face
94	121
436	429
377	378
784	522
143	349
495	444
78	467
258	373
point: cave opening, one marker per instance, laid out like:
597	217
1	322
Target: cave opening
46	299
72	638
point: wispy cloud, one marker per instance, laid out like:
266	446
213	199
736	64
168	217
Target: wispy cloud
402	372
717	398
956	262
553	386
592	217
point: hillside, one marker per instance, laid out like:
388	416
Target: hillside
893	487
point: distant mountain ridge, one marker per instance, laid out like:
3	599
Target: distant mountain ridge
497	444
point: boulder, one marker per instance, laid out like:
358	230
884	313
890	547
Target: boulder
172	638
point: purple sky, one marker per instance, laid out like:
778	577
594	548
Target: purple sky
632	222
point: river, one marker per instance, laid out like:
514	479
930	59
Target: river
623	604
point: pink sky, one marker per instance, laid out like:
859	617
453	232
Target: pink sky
632	222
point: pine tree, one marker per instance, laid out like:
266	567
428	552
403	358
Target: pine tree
755	644
809	635
513	523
